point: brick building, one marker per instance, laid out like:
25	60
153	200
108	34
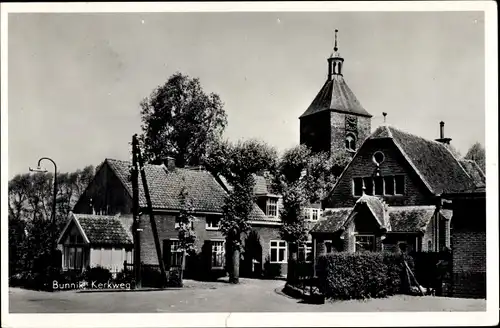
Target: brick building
109	197
335	121
468	242
392	193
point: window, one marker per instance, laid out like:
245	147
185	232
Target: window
379	185
315	214
172	254
368	184
378	157
272	207
218	254
329	246
365	243
358	186
350	142
278	251
305	252
389	185
312	214
178	223
400	184
73	257
213	223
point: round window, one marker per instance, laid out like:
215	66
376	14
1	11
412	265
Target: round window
378	157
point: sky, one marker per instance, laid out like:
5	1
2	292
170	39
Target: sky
75	80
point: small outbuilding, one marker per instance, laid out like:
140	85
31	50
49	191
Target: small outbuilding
95	240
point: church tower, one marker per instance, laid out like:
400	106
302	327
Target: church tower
335	121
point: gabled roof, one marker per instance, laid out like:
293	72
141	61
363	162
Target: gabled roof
337	96
332	220
377	207
409	219
434	163
204	192
100	229
474	172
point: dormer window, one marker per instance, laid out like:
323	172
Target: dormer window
312	214
350	142
272	207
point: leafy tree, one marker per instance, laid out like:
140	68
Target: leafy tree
477	153
186	234
238	163
180	120
30	198
303	178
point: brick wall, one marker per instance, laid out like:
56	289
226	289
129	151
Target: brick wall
339	133
468	244
469	264
165	224
267	233
315	131
394	163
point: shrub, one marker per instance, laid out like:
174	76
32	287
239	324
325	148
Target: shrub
151	277
125	276
40	280
175	278
360	275
272	270
97	274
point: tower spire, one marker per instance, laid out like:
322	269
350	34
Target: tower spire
335	47
335	61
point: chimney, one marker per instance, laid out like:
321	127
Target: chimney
442	139
169	163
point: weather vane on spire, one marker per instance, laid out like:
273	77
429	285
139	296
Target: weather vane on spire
335	47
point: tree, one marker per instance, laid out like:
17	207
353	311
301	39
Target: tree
477	153
303	178
181	121
30	199
186	232
238	163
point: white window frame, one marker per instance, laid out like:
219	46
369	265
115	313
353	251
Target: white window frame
209	223
354	186
217	247
307	249
393	185
272	202
177	224
365	235
280	245
175	252
404	184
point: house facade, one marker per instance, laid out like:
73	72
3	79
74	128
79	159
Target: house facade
393	196
109	197
96	240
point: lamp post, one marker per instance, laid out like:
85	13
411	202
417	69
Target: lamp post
39	169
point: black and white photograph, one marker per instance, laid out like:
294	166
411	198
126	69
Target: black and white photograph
236	164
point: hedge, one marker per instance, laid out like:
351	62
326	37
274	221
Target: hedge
362	275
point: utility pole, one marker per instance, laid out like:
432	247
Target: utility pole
151	215
135	210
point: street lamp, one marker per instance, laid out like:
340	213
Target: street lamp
39	169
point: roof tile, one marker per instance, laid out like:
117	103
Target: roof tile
102	229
